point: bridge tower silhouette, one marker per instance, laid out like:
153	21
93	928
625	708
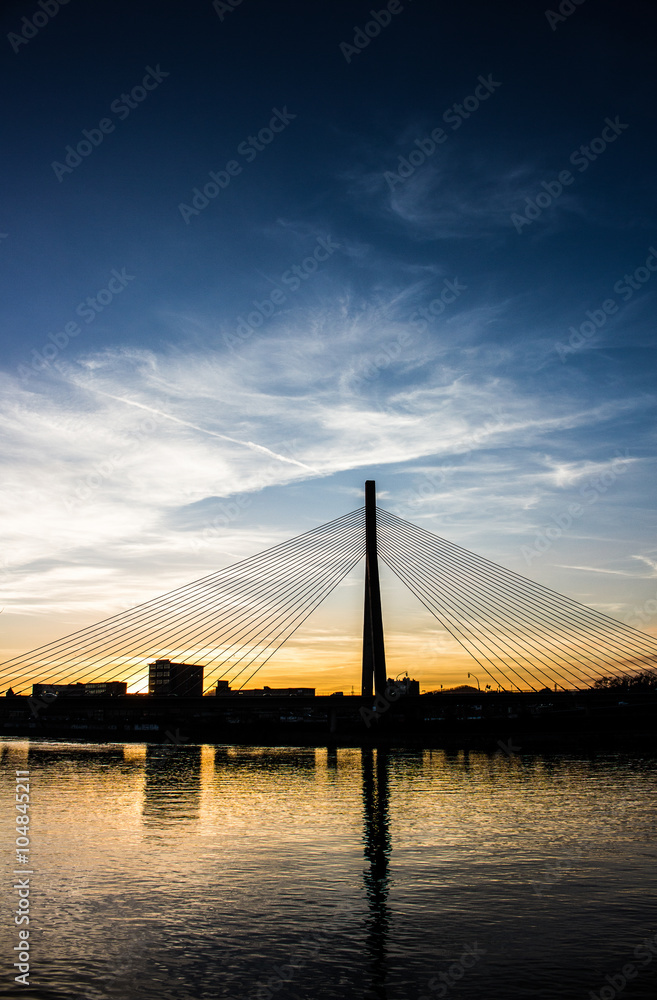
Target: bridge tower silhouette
374	678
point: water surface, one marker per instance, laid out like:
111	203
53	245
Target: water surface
183	872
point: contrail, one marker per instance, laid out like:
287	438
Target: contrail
251	445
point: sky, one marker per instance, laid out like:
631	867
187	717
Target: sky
254	254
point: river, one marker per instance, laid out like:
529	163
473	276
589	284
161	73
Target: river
177	872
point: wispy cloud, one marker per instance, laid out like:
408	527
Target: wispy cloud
202	430
457	194
650	563
598	569
122	459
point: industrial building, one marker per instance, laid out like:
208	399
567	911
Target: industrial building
279	692
181	679
106	689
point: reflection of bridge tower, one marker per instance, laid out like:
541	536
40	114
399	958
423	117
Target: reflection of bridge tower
377	847
374	655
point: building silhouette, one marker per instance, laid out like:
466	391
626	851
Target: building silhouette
106	689
264	692
182	679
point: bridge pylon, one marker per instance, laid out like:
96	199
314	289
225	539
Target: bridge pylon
374	657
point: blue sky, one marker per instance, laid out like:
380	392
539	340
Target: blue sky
280	264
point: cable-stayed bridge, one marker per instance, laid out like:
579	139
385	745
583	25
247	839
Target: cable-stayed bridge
522	635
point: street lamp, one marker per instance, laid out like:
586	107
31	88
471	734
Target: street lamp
477	680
